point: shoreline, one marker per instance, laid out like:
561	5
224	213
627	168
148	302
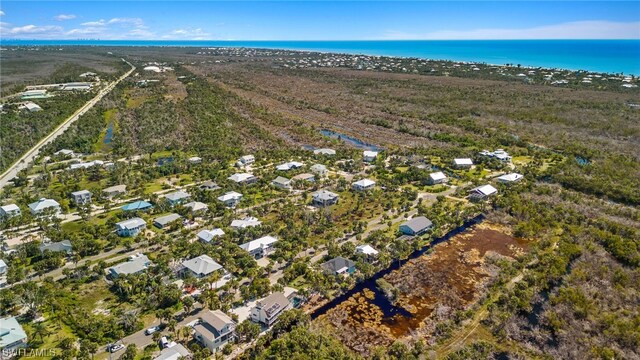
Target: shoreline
391	52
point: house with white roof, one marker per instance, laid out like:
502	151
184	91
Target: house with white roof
135	265
130	227
86	165
3	267
319	170
207	236
243	178
12	336
499	154
65	152
200	266
43	206
366	250
9	211
246	160
510	178
482	192
369	156
364	184
462	163
194	160
324	198
197	207
289	166
30	106
114	191
437	178
261	247
60	246
230	199
214	330
245	223
324	151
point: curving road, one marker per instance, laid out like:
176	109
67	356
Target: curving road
30	155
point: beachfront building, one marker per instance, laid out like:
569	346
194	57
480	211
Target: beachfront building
130	227
482	192
339	266
207	236
44	206
176	197
8	211
261	247
268	309
462	163
135	265
166	220
12	336
324	198
81	197
214	330
199	267
416	226
437	178
363	185
510	178
369	156
230	199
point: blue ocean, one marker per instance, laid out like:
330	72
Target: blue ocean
607	56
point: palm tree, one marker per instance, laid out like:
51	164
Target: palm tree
40	330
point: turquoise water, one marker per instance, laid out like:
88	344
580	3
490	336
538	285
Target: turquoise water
611	56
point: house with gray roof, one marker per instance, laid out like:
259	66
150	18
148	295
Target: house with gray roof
174	352
81	197
416	226
164	221
135	265
12	335
114	191
339	266
44	206
324	198
319	170
214	330
269	309
207	236
130	227
8	211
177	197
200	266
281	182
60	246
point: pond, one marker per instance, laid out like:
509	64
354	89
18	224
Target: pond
429	287
109	134
350	140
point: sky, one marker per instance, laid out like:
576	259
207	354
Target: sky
318	20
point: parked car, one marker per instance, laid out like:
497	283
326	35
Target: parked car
152	329
114	347
164	342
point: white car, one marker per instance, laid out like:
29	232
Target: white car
152	329
114	347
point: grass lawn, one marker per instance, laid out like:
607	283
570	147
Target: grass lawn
57	332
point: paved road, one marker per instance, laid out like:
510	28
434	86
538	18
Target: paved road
30	155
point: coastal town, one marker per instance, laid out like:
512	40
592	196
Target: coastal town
144	249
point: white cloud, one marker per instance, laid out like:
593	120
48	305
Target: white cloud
35	29
63	17
89	30
141	33
596	29
137	22
187	34
1	13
